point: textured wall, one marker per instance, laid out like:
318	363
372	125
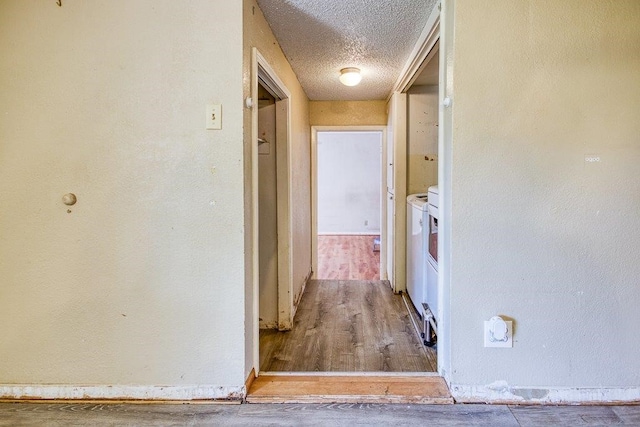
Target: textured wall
540	234
142	281
348	113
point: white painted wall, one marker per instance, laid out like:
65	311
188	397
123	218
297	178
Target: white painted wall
142	282
422	138
268	218
539	234
349	182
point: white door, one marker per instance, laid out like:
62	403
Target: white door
397	190
391	221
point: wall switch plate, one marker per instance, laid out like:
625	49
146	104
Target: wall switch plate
488	342
214	116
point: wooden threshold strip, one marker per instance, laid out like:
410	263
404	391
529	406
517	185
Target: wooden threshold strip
349	389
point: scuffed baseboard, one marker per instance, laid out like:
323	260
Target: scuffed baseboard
268	325
501	393
296	302
118	392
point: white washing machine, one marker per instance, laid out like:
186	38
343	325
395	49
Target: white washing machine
431	264
417	246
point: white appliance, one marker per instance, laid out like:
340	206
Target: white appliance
431	296
417	218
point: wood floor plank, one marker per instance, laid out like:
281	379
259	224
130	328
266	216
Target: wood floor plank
346	389
348	258
346	326
565	415
96	414
432	355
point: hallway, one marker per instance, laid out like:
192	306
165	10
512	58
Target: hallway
347	326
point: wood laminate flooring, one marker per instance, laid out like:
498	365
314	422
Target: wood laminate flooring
348	258
98	414
349	389
346	326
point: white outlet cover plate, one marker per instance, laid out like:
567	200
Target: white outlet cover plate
501	344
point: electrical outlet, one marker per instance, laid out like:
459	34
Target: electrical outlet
491	341
366	222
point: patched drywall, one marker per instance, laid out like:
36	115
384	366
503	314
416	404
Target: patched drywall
141	281
422	138
349	177
545	192
348	113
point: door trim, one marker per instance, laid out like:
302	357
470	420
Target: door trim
261	71
439	29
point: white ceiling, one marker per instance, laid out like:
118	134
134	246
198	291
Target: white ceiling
320	37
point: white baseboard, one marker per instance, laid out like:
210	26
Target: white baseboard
117	392
501	393
350	233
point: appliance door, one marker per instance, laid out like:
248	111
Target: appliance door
433	234
415	257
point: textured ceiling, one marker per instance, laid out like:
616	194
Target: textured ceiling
320	37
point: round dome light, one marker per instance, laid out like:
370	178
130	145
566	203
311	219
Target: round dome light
350	76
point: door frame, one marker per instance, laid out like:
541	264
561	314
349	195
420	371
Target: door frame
314	190
439	29
262	72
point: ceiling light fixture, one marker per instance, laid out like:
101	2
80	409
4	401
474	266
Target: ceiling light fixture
350	76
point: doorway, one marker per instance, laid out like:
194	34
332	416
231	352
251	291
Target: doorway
268	209
412	69
348	206
271	208
422	141
342	325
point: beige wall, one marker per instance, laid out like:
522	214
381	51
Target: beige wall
258	34
539	234
142	282
348	113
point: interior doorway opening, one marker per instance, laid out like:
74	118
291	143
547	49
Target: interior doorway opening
422	147
348	206
348	326
271	202
414	67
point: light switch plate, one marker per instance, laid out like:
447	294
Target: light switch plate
214	116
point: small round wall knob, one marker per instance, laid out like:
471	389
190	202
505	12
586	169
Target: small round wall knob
69	199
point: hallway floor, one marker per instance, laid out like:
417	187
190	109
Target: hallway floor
347	326
95	414
347	258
